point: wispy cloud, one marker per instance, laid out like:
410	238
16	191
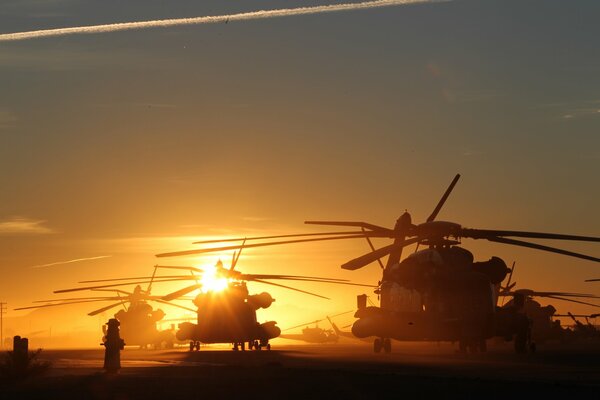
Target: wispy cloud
261	14
569	110
69	261
24	226
582	112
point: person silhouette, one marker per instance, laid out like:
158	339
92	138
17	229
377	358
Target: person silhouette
113	344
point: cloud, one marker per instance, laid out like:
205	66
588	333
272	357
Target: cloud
261	14
582	112
69	261
24	226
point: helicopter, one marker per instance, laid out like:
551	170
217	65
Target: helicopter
543	326
227	311
315	334
580	330
439	293
138	318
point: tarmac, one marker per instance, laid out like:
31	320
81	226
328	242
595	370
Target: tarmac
294	371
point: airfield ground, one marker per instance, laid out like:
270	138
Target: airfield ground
342	371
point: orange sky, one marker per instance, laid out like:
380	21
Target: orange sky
130	144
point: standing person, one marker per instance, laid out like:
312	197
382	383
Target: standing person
113	345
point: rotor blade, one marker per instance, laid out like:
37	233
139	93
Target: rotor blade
194	269
251	278
487	233
542	247
174	305
235	259
247	246
181	292
270	276
583	295
120	284
275	237
306	324
373	249
592	280
134	278
368	258
577	315
443	199
290	288
573	301
75	299
512	269
351	223
58	304
101	310
112	290
339	314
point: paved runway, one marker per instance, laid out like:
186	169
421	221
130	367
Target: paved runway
319	371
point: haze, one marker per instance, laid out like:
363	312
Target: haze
118	146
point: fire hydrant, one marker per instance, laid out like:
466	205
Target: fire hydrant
113	344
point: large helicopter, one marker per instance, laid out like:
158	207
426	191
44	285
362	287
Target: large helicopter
226	309
138	318
315	334
436	294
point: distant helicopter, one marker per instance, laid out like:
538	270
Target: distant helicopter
543	326
314	334
436	294
580	330
227	311
138	318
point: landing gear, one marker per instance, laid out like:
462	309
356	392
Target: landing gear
239	346
377	346
384	344
387	345
194	346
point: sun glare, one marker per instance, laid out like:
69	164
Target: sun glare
211	281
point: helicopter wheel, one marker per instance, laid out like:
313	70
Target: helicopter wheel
532	347
197	346
268	346
243	346
192	346
377	345
256	345
387	345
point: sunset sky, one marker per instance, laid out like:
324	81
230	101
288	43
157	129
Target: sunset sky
117	146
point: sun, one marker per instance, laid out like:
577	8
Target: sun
211	281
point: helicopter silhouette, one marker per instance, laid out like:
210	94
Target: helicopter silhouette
315	334
229	315
543	326
137	317
581	331
439	293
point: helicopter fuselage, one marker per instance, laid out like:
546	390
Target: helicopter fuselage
229	316
436	294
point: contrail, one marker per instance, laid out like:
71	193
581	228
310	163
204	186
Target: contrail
69	262
261	14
